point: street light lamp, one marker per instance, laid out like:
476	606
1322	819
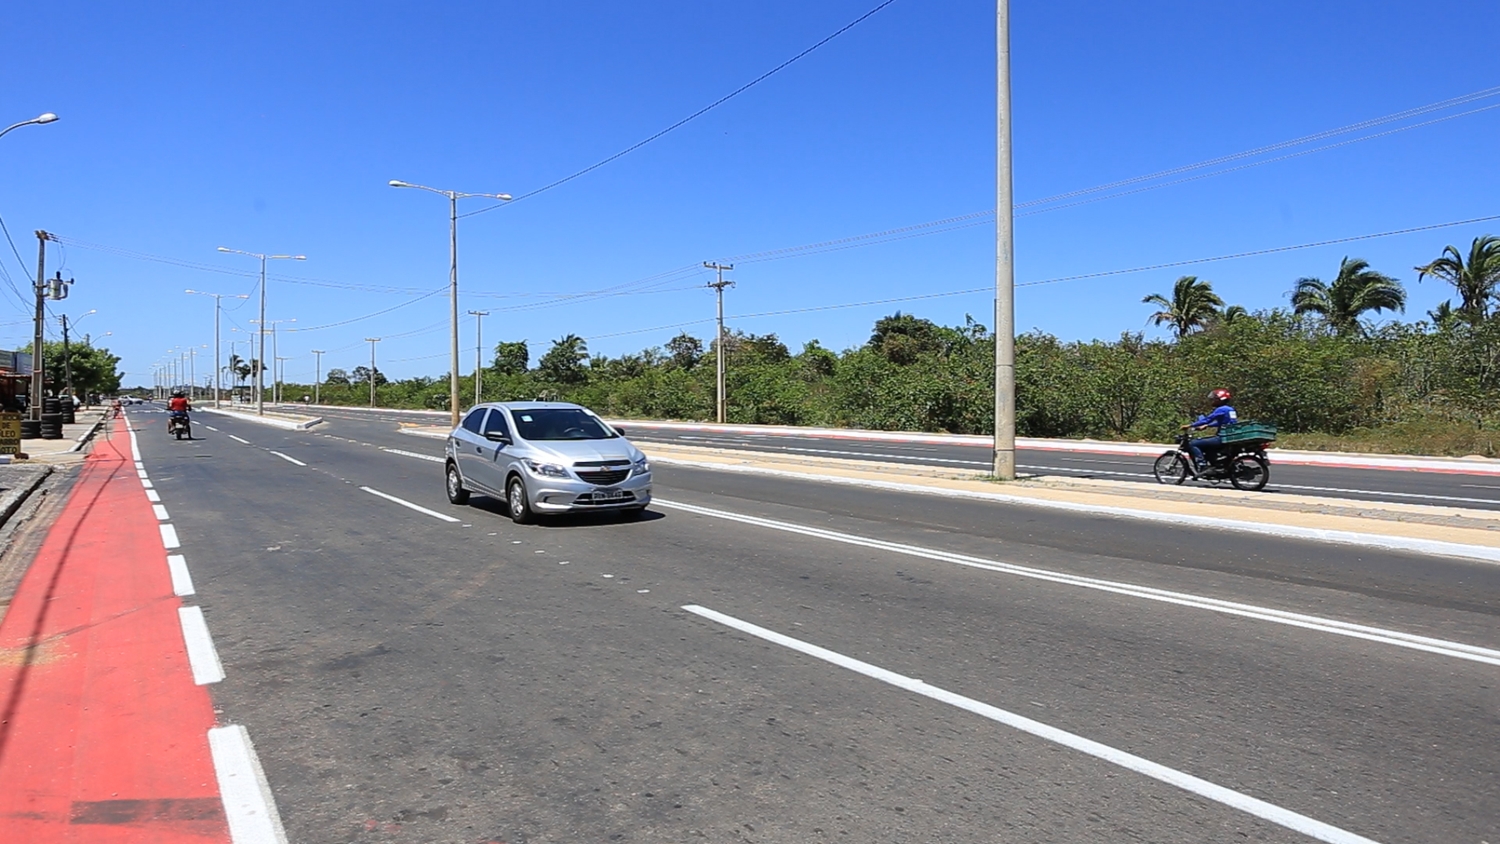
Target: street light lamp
453	198
260	385
49	117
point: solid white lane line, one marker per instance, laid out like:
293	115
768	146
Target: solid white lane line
249	806
287	458
427	457
161	512
153	496
404	503
169	537
1384	542
182	581
1443	647
200	646
238	440
1171	776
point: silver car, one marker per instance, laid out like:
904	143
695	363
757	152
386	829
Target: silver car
545	457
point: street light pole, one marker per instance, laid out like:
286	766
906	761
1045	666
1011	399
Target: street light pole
49	117
453	198
318	378
218	306
478	349
372	341
1005	271
259	363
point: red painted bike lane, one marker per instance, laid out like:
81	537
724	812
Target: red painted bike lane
103	733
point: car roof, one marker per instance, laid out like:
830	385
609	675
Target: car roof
535	405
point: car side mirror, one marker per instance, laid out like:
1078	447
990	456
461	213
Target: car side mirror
497	437
618	430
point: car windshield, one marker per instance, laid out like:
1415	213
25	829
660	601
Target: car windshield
563	423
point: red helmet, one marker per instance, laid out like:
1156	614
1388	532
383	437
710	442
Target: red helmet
1219	397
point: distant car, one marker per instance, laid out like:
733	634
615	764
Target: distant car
545	458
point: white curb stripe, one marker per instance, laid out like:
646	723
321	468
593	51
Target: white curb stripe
200	646
182	581
1187	782
427	457
407	504
1484	553
1442	647
169	537
161	512
249	806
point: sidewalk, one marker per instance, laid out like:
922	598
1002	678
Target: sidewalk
103	733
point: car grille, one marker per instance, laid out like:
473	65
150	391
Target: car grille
603	477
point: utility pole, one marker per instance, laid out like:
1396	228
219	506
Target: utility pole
719	354
318	378
41	314
478	348
1005	270
280	378
218	307
67	355
372	341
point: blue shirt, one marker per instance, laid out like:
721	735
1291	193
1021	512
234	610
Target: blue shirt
1218	418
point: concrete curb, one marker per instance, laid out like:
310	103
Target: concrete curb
1330	459
12	499
284	424
88	435
1386	542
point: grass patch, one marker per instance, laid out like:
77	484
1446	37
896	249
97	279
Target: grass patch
1423	437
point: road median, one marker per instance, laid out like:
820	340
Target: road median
1446	531
286	421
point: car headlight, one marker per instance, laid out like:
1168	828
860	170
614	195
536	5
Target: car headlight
641	467
546	470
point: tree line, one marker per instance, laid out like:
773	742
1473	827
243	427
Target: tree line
1321	367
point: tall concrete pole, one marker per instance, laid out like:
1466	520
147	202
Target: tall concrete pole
37	368
1005	271
453	307
372	341
318	378
719	354
478	350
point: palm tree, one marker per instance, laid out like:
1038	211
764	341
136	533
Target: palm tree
1476	280
1232	314
1356	291
1192	306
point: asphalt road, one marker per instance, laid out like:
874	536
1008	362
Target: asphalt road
1407	487
410	678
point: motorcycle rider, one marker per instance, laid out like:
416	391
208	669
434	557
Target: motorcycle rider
177	407
1223	414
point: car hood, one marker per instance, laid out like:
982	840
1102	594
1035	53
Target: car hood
573	451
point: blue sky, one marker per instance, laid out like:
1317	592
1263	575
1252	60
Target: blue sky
276	126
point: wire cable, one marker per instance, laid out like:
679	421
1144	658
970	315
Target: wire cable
690	118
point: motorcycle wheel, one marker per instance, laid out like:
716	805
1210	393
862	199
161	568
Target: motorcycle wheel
1249	472
179	433
1170	468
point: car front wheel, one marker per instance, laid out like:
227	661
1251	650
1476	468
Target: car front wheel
517	502
455	483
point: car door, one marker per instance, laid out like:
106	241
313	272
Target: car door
493	451
470	448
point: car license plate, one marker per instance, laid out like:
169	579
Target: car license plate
609	494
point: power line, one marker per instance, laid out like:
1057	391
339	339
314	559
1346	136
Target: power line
694	116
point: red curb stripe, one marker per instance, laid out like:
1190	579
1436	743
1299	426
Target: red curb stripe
104	733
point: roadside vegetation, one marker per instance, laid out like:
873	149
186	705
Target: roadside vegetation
1324	370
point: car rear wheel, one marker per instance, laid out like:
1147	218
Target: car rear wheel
517	502
455	483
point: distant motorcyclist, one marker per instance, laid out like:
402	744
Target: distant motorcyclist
1223	414
177	408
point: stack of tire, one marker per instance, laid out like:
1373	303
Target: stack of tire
68	410
52	419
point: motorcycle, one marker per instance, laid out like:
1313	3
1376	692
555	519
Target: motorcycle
1240	459
178	425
